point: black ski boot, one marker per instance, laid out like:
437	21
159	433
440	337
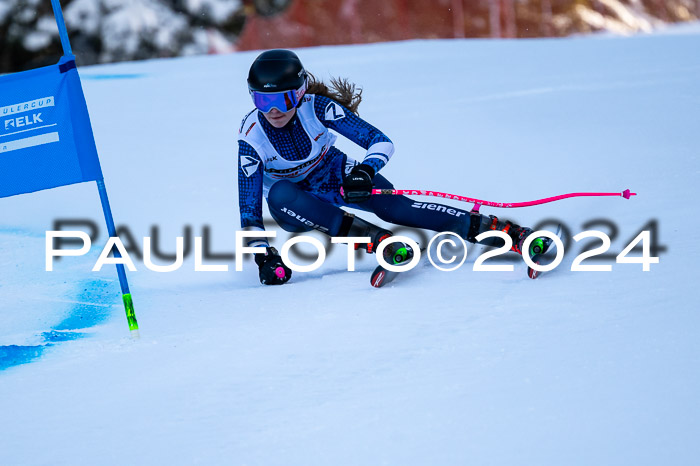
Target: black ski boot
395	253
538	246
481	223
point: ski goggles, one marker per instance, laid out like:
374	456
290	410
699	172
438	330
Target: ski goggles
283	101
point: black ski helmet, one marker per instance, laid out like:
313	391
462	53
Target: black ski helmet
276	70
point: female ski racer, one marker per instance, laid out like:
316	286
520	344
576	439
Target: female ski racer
286	153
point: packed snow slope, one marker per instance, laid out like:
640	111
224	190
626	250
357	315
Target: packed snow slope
465	367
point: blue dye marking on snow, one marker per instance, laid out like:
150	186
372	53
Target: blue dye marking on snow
54	336
23	232
14	355
112	76
85	314
82	316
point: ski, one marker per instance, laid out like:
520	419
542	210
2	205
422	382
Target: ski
382	276
545	252
398	255
542	253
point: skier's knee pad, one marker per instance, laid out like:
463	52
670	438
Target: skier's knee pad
280	199
297	210
282	194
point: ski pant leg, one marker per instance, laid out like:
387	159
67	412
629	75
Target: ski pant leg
296	210
401	210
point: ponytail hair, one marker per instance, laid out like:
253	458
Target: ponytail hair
341	91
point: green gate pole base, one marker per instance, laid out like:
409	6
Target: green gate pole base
131	315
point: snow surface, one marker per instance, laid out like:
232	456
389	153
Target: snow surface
439	368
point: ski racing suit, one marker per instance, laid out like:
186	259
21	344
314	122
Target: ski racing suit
300	173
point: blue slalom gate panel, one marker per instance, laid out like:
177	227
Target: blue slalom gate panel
45	135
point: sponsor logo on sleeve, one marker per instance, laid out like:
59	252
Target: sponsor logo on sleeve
249	165
334	112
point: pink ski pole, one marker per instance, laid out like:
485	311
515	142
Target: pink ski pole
479	202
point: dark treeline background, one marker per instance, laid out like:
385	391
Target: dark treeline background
104	31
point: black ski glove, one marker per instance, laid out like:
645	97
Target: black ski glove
272	269
357	186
